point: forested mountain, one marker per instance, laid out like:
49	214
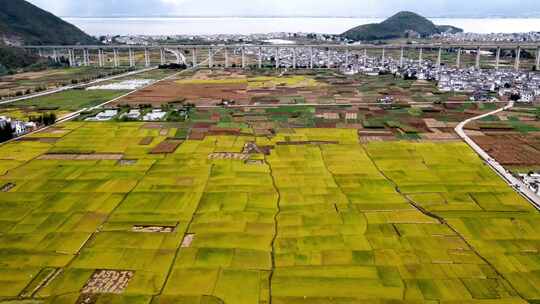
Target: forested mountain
402	24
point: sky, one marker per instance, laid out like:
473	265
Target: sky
326	8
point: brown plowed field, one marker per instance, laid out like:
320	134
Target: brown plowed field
167	146
200	94
514	150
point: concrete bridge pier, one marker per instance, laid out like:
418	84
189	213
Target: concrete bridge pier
498	58
85	57
420	56
131	58
458	59
347	55
477	64
518	58
260	59
55	55
537	62
383	55
277	58
226	55
146	58
294	58
162	56
364	59
194	57
88	56
40	53
210	58
243	52
311	57
401	57
71	58
328	58
439	58
115	58
100	58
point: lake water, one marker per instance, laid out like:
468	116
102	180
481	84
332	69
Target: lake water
241	25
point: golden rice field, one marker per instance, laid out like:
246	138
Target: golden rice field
336	222
257	82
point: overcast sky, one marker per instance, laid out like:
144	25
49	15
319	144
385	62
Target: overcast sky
353	8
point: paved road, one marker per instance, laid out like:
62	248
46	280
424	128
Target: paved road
517	184
69	87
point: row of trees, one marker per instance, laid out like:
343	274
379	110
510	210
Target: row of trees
46	119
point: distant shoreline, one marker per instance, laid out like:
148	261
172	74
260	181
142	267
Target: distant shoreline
199	26
292	17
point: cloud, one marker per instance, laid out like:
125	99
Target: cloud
361	8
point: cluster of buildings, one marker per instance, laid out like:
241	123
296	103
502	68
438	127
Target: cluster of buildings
531	180
19	127
483	84
132	114
530	37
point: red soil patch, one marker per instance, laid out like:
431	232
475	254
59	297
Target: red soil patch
512	150
146	141
167	146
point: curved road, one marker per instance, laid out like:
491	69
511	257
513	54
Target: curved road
517	184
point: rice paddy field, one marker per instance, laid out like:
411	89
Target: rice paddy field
92	212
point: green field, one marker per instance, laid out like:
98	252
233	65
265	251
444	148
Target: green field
30	82
60	103
338	223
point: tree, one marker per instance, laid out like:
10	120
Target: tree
3	70
6	132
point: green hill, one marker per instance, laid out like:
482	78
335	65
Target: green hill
23	23
400	25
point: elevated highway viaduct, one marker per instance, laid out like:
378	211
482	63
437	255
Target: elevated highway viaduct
115	55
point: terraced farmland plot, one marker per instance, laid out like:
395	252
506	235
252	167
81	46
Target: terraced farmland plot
321	219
